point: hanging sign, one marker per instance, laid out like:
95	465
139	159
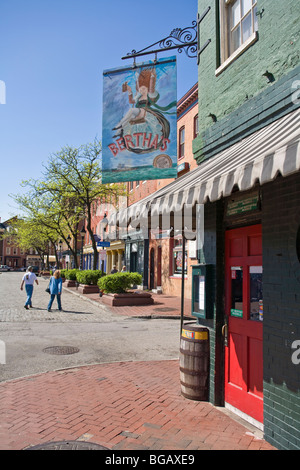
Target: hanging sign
139	135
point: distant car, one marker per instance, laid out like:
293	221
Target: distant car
4	267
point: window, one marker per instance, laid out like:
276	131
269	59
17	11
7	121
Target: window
131	186
177	257
196	126
238	23
8	250
137	184
243	23
181	142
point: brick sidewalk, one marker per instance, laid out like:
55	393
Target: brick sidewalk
165	306
121	406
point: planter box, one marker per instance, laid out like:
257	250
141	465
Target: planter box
85	289
69	283
128	299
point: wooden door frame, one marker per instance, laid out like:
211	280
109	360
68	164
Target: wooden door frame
237	326
159	267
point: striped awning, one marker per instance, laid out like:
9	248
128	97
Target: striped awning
258	158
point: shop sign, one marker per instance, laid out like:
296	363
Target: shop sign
139	135
234	312
235	207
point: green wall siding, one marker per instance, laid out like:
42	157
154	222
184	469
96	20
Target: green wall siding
241	97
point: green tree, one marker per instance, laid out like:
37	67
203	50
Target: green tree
73	176
70	186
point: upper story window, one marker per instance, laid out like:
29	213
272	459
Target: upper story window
238	29
181	142
243	22
196	126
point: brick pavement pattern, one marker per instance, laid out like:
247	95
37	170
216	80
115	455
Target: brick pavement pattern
164	306
121	406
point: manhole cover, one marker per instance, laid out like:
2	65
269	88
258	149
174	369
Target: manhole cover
68	445
61	350
165	309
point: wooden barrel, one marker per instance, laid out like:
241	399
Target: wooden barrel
194	362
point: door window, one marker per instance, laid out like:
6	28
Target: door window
236	291
256	293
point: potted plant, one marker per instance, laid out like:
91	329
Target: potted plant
88	280
70	276
115	288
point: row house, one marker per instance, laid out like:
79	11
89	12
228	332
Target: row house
10	254
109	256
159	257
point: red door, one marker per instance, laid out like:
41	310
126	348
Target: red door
244	310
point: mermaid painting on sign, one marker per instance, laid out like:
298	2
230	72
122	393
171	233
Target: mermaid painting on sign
146	126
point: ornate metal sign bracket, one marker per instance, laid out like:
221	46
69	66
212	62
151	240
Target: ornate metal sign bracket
180	39
199	48
187	40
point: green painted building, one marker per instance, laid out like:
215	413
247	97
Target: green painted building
248	178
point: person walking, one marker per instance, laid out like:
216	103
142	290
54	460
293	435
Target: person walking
55	286
28	279
114	270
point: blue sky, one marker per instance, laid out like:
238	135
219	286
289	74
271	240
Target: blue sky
52	56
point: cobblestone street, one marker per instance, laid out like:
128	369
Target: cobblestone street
13	300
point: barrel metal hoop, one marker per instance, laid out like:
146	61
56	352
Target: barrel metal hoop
194	354
194	387
193	373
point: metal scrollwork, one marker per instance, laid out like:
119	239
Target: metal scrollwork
180	39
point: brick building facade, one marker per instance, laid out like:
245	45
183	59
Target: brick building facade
160	255
10	254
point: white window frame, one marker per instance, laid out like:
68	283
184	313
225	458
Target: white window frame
181	142
225	34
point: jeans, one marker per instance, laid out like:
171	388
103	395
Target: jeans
29	291
52	297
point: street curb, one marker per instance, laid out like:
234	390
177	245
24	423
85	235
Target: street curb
79	366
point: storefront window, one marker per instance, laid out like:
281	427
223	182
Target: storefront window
177	257
256	293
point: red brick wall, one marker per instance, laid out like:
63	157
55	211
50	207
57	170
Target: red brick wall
171	285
